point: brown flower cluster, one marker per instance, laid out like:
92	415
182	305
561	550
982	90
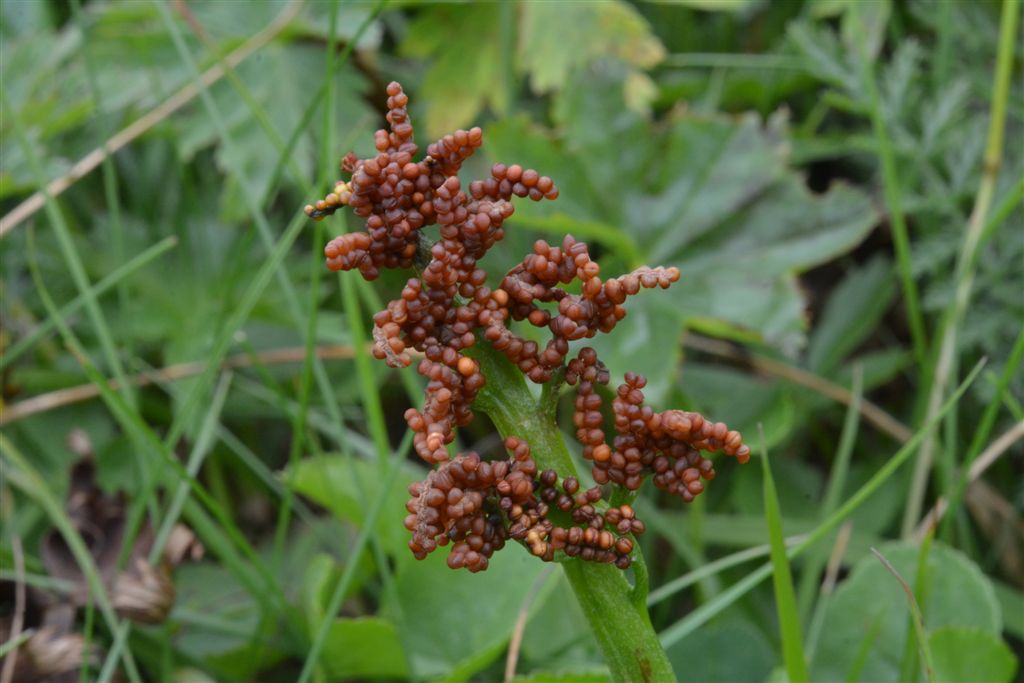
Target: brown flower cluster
666	444
477	505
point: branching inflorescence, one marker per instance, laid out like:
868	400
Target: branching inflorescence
474	504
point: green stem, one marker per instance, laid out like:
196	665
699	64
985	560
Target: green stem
620	623
893	200
945	363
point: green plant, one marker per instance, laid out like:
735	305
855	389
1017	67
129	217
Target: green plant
460	327
163	292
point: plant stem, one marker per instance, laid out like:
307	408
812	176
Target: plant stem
620	623
946	359
891	188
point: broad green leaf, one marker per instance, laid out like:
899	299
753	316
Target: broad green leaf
885	504
745	304
222	621
787	230
517	140
223	625
48	94
467	70
957	595
556	37
743	531
366	647
134	57
1011	600
714	389
345	485
454	623
278	80
799	488
971	654
315	20
319	579
710	166
191	675
723	652
823	56
737	6
652	322
591	119
222	21
879	367
567	677
557	635
863	26
24	17
851	314
822	9
709	194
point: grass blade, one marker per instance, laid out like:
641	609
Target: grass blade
915	615
828	586
368	528
893	199
836	481
691	622
729	561
72	258
864	651
785	596
110	184
195	460
266	586
981	434
25	477
945	355
100	288
16	642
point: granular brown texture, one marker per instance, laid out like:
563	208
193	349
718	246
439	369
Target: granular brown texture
478	505
666	444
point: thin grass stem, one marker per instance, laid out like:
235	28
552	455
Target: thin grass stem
945	363
24	476
833	492
894	200
702	614
785	597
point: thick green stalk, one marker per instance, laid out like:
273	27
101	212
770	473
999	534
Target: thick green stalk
619	621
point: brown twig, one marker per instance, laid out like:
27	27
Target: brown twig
871	412
835	560
172	104
516	641
987	458
84	392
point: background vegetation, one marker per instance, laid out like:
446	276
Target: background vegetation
839	183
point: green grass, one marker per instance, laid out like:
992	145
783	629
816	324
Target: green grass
785	596
709	610
188	245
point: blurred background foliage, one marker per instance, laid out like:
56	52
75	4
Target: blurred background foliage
773	151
